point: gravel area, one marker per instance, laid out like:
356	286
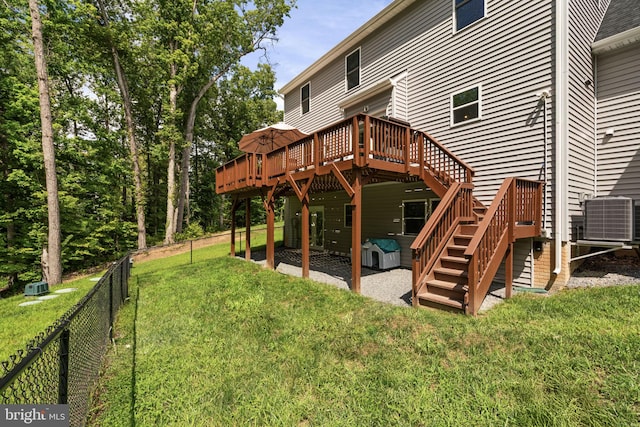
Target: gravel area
606	270
394	286
391	286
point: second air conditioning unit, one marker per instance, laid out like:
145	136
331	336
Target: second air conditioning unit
609	219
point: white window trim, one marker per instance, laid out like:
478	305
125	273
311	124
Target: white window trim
477	119
454	20
302	113
346	82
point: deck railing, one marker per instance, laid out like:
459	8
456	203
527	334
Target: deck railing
454	208
243	171
514	213
347	141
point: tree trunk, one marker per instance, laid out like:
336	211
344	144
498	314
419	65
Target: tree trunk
186	152
53	258
133	147
185	165
170	229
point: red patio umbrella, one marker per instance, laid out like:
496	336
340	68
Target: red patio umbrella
270	138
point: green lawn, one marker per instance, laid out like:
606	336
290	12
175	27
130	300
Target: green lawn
21	324
223	342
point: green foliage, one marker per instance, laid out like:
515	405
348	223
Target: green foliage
192	231
94	167
288	351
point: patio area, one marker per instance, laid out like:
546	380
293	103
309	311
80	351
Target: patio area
388	286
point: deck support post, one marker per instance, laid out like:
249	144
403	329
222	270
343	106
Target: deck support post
271	218
269	207
508	272
305	236
356	231
247	249
234	209
303	196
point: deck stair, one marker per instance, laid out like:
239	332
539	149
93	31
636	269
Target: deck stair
461	247
446	285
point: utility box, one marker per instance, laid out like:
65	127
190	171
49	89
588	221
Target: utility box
36	288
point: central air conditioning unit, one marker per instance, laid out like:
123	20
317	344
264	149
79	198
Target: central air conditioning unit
609	219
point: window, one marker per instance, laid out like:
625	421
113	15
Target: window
465	105
352	66
348	216
467	12
414	214
433	204
304	98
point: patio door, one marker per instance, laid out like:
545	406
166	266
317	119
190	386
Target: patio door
316	227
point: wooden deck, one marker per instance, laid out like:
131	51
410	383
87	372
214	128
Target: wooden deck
461	246
383	150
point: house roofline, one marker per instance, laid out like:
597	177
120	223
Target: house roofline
384	16
616	41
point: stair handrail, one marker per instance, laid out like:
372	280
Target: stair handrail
455	207
488	238
461	171
495	233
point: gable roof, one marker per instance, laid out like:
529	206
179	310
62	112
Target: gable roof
620	26
349	43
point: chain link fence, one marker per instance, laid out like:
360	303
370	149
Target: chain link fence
61	364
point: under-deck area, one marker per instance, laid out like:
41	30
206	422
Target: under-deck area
462	243
388	286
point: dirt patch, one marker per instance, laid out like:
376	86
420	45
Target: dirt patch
158	252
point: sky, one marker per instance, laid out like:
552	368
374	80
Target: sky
314	27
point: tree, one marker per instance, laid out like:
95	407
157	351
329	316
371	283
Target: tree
239	103
200	43
131	132
19	247
51	258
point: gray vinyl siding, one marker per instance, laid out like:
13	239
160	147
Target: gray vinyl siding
522	265
400	106
326	88
584	20
382	216
511	66
618	109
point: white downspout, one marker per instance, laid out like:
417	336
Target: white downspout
561	125
595	126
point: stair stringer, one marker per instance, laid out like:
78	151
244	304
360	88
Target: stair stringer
450	291
489	273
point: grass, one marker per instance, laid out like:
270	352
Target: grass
21	324
224	342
